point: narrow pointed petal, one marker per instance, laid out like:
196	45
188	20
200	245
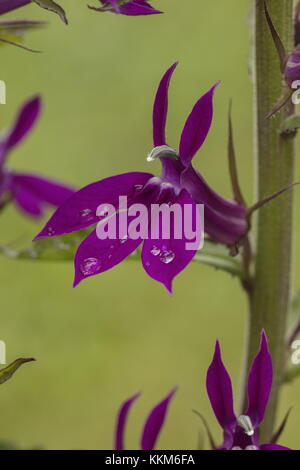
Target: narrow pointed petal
273	447
95	256
197	127
160	108
137	8
26	118
122	420
219	389
155	422
9	5
79	211
260	383
46	190
163	259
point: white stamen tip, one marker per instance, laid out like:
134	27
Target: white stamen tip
245	423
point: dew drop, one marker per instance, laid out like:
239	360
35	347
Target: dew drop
90	266
138	187
167	256
155	251
86	214
50	231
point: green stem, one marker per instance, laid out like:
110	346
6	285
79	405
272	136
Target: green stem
274	160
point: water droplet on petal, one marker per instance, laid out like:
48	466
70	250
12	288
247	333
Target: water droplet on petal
86	214
155	251
251	448
50	231
90	266
138	187
167	256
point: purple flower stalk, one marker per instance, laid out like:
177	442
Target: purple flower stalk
180	183
152	426
31	193
129	8
242	433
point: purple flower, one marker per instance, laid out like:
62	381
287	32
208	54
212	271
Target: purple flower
129	8
9	5
152	426
242	433
292	67
31	193
179	183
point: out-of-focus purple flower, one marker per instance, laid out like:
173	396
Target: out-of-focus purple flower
152	426
179	183
125	7
9	5
242	433
292	67
31	193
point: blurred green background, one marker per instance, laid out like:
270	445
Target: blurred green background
120	332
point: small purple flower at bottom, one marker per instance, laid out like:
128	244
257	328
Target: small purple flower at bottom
125	7
152	426
242	433
31	193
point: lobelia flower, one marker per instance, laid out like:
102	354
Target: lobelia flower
129	8
31	193
180	183
242	433
152	426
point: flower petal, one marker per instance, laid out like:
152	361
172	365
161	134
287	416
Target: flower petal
94	256
219	389
48	191
225	220
164	258
79	211
138	7
196	127
9	5
121	421
160	108
155	422
26	118
260	383
273	447
28	203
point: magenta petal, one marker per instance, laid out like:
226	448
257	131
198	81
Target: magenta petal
219	389
94	256
9	5
28	202
121	421
163	259
155	422
26	118
196	127
273	447
138	7
79	211
48	191
160	108
260	383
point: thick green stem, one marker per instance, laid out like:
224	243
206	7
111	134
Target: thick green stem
274	159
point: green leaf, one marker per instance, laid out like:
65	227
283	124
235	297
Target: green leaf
64	248
54	7
12	31
291	123
8	372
